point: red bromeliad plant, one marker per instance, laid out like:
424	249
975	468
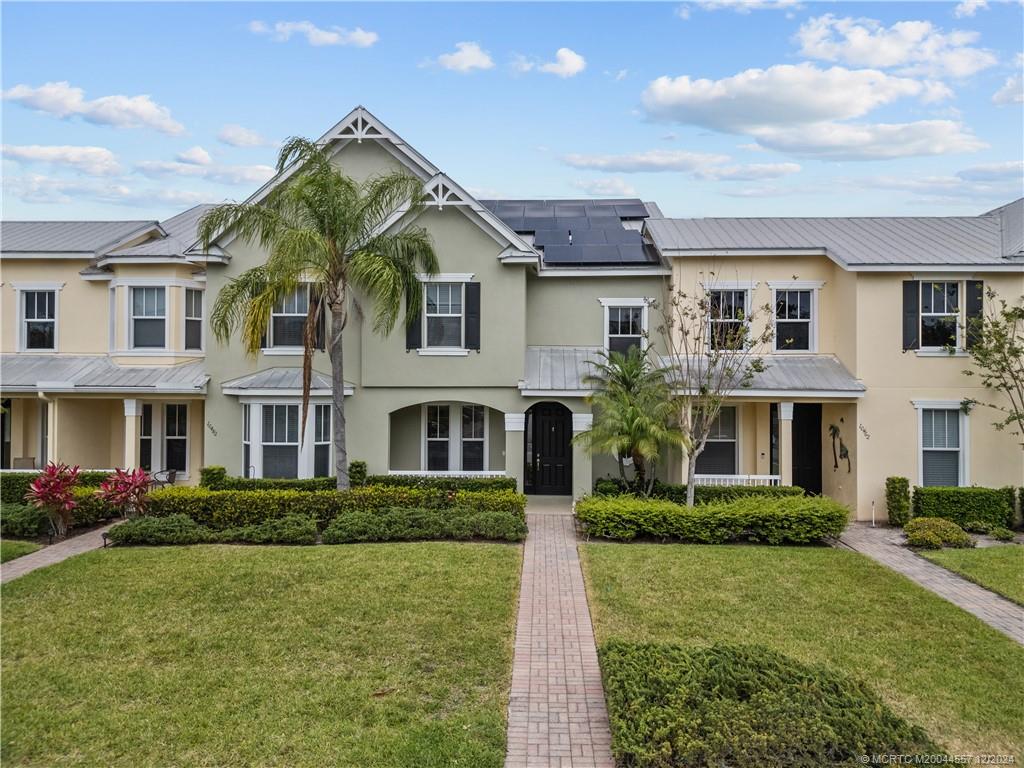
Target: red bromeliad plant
53	492
126	491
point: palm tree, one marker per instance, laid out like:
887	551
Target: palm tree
634	415
323	228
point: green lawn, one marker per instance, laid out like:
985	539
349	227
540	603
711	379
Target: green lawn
1000	569
10	549
934	664
358	655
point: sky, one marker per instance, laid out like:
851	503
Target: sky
709	107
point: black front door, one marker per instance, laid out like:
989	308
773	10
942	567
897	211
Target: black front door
548	450
807	446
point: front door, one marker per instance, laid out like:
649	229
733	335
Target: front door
807	446
549	451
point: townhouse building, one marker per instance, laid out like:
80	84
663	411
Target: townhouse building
108	360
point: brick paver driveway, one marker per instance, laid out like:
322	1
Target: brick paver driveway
556	713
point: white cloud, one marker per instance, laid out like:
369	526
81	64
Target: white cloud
608	187
195	156
683	11
944	188
784	94
746	6
43	189
618	76
1012	169
879	141
969	8
62	100
748	172
1012	91
282	31
222	174
93	161
567	63
238	136
913	47
466	57
655	160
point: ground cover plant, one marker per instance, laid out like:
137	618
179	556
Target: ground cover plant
1000	569
936	533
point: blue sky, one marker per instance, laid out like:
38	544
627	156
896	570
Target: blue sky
711	107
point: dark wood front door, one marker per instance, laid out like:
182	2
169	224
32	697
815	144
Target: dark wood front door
807	446
548	449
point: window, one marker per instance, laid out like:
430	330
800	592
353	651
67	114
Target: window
437	438
625	328
728	310
940	314
322	441
246	442
149	318
146	438
443	313
719	454
473	426
793	320
288	318
40	317
280	441
193	319
940	446
176	436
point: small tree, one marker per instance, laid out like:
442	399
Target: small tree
634	417
996	344
53	492
713	343
127	492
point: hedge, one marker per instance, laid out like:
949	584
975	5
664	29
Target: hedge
399	524
181	529
789	520
217	479
744	707
703	494
230	509
963	505
897	500
27	521
14	485
936	533
445	483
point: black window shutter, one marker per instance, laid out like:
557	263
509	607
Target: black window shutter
911	314
472	315
973	305
414	330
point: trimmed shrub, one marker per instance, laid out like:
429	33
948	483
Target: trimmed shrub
14	485
936	533
990	505
785	520
357	472
744	707
182	529
22	521
291	529
976	526
1001	534
897	500
217	479
445	483
402	524
703	494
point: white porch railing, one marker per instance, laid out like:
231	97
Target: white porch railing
430	473
737	479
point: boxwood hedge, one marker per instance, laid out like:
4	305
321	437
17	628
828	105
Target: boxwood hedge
964	505
897	500
14	485
399	524
217	479
25	521
703	494
743	707
783	520
182	529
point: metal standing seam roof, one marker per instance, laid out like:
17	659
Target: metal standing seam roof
26	372
558	368
63	236
280	378
182	232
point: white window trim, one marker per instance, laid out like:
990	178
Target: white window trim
454	439
812	341
961	292
459	351
130	309
306	453
270	350
738	454
329	442
965	437
644	303
22	340
748	291
446	277
185	318
163	435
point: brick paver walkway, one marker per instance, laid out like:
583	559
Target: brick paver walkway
54	553
884	545
556	713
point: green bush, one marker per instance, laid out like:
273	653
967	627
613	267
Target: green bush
22	521
976	526
783	520
234	509
935	533
1001	534
357	472
90	509
743	707
182	529
14	485
445	483
291	529
403	524
703	494
217	479
897	500
990	505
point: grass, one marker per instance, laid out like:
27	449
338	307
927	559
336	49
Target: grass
1000	568
935	664
362	655
11	549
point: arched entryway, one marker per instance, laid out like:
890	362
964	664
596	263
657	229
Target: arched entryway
548	450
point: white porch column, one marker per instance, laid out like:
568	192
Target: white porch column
515	447
132	420
786	443
582	467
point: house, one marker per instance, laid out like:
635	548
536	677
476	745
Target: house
107	358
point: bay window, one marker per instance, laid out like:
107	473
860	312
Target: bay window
280	441
149	318
322	441
193	319
176	437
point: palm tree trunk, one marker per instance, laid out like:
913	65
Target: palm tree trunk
691	473
338	392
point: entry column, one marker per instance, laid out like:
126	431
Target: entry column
786	443
582	474
515	448
132	419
